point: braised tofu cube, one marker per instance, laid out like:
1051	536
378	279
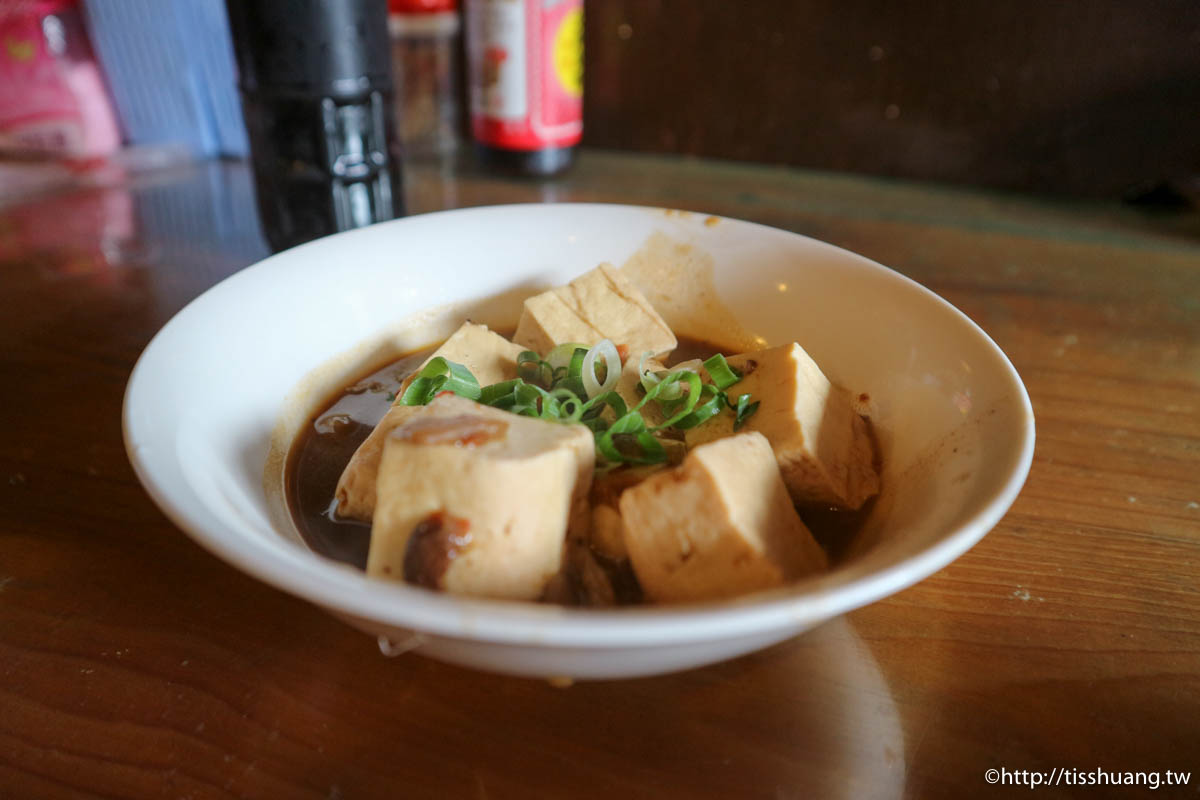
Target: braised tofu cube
607	534
476	501
721	524
823	447
600	304
491	359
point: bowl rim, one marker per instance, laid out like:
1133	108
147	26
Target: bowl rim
341	588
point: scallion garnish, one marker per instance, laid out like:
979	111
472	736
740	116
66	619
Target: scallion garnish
563	354
721	373
627	441
574	384
531	368
438	376
594	409
571	376
604	353
713	401
688	398
742	409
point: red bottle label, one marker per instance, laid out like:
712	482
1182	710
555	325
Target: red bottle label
526	61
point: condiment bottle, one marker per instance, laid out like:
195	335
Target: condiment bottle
425	36
316	84
525	61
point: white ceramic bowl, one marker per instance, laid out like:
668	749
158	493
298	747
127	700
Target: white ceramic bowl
225	385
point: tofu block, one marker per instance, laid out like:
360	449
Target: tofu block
477	501
607	531
600	304
491	359
721	524
823	448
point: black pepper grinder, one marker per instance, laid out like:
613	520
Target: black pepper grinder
316	86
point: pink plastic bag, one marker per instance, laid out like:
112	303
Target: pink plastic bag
52	97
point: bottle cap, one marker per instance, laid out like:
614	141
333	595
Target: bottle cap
421	6
318	47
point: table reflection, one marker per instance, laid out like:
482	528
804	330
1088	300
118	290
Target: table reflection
825	722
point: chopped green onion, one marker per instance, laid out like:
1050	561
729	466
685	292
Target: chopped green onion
526	399
515	396
571	376
617	444
594	408
489	395
647	379
569	406
575	365
562	355
608	399
562	368
526	359
723	376
743	410
705	410
604	353
531	368
555	389
438	376
694	391
672	391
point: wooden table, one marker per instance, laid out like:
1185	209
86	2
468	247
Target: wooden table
135	664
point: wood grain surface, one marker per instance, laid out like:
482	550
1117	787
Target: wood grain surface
133	664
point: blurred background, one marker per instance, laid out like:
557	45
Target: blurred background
1098	99
1095	98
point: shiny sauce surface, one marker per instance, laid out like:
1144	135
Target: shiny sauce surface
322	450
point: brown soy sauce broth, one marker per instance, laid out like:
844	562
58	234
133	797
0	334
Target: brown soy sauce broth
330	437
322	450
